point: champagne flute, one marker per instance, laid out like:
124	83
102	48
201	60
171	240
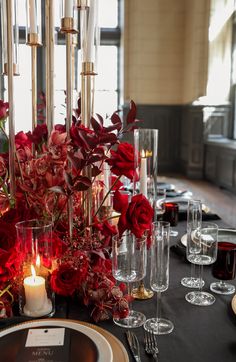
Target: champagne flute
204	252
194	221
159	278
224	268
129	265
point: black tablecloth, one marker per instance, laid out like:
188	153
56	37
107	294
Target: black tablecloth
201	334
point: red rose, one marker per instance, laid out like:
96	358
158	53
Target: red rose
137	217
64	280
60	128
122	161
3	109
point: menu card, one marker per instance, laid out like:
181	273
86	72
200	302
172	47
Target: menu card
45	345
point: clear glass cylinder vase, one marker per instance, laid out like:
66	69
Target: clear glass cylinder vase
146	160
36	298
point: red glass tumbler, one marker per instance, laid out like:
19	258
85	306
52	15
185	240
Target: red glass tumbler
171	213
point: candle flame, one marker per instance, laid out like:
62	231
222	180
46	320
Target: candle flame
143	154
38	261
33	271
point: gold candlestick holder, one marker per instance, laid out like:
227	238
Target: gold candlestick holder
141	292
15	69
83	4
50	43
68	26
87	75
34	43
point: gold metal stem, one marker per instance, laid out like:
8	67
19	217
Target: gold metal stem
34	85
87	75
11	100
49	64
69	91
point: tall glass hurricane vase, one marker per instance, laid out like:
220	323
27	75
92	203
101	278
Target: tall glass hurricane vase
36	297
145	149
129	265
159	278
145	181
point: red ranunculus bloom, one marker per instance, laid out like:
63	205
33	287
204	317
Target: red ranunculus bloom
137	217
39	135
64	280
22	140
122	161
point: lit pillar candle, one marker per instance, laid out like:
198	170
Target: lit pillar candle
68	8
143	174
32	17
36	301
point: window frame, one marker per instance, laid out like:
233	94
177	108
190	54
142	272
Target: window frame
109	36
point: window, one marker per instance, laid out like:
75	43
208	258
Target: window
106	82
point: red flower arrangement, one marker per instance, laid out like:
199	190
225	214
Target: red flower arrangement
50	169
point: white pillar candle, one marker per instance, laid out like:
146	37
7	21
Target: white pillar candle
36	301
143	175
32	17
68	8
91	32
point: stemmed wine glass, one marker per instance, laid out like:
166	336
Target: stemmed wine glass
159	278
129	256
224	268
202	250
194	221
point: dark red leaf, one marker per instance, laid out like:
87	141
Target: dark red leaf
132	113
82	183
115	118
96	125
95	171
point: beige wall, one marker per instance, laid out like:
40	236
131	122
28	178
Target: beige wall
165	50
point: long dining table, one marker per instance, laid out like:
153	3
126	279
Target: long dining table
201	334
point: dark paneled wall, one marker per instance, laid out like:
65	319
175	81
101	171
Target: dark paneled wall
183	134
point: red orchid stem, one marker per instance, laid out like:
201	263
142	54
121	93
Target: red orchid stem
107	194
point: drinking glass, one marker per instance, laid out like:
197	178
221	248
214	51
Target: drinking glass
36	297
159	278
159	205
194	221
202	251
129	256
224	268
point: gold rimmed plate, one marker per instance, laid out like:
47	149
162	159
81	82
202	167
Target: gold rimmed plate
233	304
95	343
223	235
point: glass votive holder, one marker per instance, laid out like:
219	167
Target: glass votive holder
36	298
171	213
